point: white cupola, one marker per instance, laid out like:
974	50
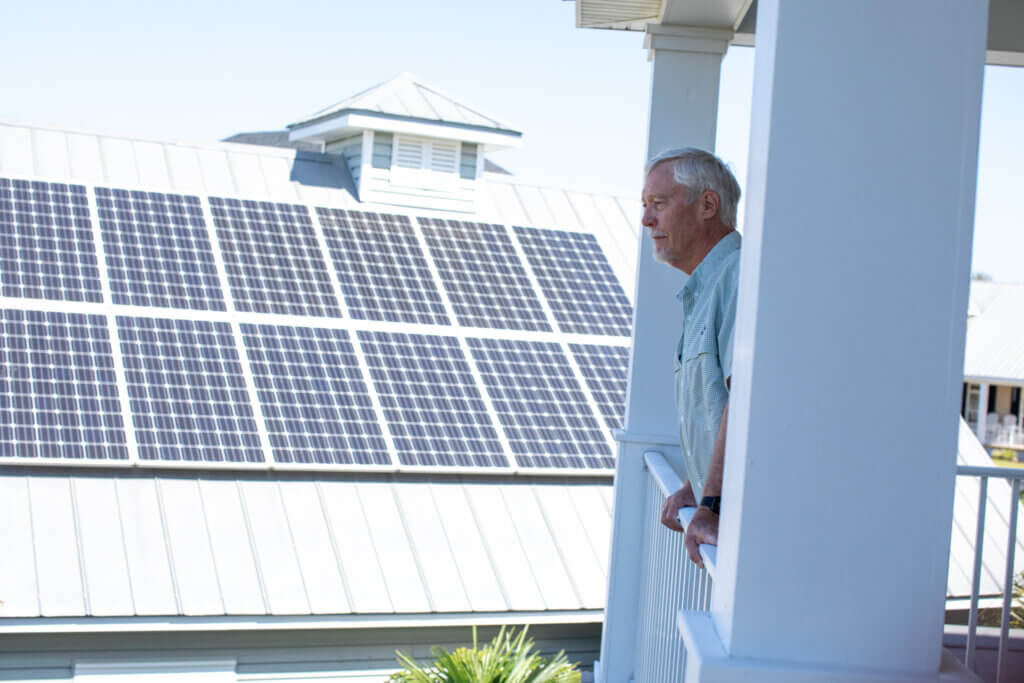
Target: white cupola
409	144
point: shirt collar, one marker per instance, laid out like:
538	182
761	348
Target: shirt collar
723	248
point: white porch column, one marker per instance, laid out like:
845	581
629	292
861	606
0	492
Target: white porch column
835	526
982	425
686	64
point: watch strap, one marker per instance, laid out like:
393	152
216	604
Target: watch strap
713	503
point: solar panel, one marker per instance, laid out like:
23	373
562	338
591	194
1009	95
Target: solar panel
157	250
605	370
540	404
58	392
188	395
47	249
382	269
482	273
273	258
314	400
431	403
580	286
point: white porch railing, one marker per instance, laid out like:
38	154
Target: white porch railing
668	582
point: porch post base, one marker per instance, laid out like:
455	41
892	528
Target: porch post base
708	662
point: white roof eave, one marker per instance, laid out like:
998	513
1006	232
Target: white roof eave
349	123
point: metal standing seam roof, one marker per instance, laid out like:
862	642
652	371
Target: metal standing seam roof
122	545
995	328
407	96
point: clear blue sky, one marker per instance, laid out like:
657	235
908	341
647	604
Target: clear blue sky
201	71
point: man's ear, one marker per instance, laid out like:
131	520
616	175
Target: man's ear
709	204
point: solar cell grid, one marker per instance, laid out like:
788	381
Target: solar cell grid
188	396
157	250
580	286
540	404
431	402
314	400
46	242
482	273
605	370
272	258
382	270
58	392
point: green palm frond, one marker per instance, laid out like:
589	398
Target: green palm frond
509	658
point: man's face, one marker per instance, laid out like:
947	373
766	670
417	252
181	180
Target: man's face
671	220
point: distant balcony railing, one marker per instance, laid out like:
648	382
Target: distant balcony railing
1014	478
997	433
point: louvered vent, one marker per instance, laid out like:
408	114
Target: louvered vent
425	162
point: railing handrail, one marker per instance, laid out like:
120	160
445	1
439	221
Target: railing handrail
669	482
993	471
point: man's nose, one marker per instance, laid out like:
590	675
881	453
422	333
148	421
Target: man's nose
647	220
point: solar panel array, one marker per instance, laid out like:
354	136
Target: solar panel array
212	330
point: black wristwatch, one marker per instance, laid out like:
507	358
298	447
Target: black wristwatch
713	503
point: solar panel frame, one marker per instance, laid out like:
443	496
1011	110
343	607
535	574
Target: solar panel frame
382	269
59	398
187	407
481	272
266	246
434	409
157	250
542	408
605	371
313	396
578	282
47	248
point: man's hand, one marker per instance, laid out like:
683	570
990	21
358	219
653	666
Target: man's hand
703	528
683	498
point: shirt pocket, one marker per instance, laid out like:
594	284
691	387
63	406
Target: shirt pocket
701	341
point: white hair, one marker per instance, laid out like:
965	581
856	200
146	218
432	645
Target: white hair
697	171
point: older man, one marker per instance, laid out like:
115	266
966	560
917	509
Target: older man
690	199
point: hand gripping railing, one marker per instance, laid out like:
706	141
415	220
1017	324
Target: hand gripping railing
1014	476
670	582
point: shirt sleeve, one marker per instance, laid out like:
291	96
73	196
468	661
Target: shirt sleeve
727	319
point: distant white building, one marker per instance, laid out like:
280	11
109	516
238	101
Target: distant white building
994	364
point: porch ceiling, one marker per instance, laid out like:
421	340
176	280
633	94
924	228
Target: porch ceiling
1005	20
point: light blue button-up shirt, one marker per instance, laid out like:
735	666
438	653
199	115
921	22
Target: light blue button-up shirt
704	355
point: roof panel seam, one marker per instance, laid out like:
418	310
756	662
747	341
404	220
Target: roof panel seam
448	544
295	551
373	544
76	524
168	546
522	548
209	543
264	597
334	546
558	547
124	545
412	547
490	554
35	552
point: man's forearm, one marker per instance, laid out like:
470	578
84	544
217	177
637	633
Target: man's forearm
713	485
